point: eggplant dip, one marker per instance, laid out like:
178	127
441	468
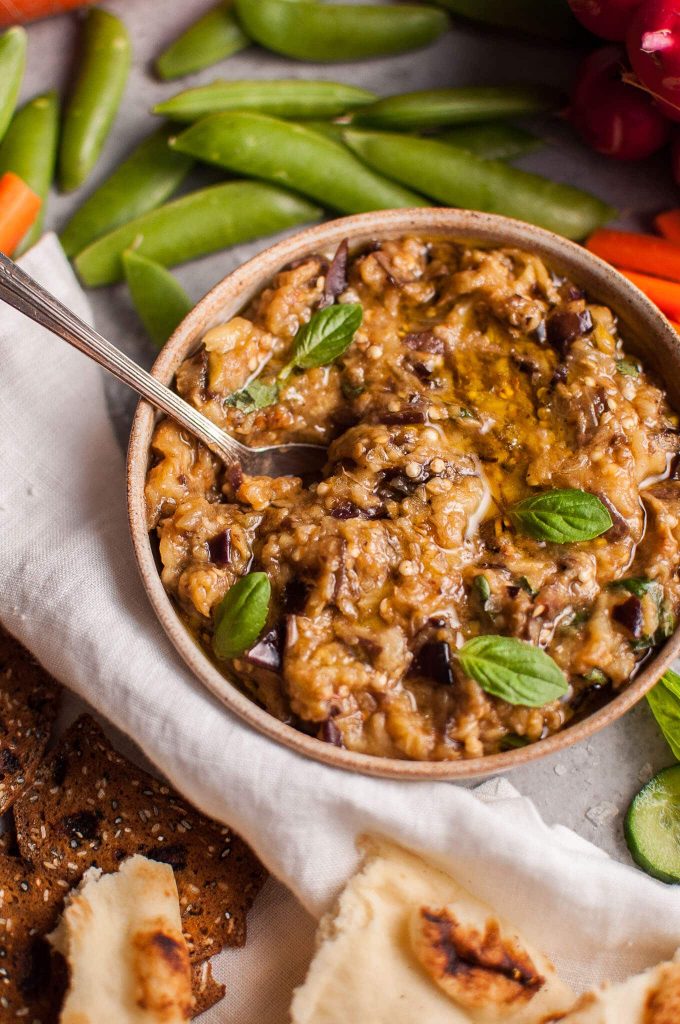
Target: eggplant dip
493	546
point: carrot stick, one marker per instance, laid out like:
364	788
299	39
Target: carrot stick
651	255
19	207
13	11
668	224
666	294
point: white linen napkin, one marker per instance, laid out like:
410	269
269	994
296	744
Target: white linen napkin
70	591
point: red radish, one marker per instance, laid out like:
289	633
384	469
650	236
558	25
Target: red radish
606	18
615	119
653	43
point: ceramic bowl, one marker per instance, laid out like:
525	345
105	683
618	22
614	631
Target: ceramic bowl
647	332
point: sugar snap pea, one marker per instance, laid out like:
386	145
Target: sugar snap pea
12	64
295	156
29	148
96	96
432	108
159	299
142	182
495	140
193	225
338	32
212	38
550	19
457	178
294	97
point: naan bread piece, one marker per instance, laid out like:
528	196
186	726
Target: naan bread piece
121	935
407	943
652	997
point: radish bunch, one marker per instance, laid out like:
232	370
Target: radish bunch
625	98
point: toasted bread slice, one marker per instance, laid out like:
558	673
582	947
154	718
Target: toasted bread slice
90	807
29	699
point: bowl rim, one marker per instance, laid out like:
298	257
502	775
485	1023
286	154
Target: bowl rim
229	296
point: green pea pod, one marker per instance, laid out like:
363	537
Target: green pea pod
434	108
457	178
12	64
212	38
159	299
29	148
294	97
295	156
102	74
194	225
550	19
495	140
146	179
339	32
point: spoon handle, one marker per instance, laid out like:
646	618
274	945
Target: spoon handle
19	290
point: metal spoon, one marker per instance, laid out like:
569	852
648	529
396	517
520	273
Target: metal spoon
23	293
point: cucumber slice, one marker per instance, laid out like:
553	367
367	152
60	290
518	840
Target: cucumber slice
652	826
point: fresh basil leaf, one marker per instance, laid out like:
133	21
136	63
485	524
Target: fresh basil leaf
241	615
328	334
512	669
664	700
666	622
627	367
561	516
256	395
481	585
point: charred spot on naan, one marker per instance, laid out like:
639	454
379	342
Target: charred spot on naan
475	969
162	972
663	1002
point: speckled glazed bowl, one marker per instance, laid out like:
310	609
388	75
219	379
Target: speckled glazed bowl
648	332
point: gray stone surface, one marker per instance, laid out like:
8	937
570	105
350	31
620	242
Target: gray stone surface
588	787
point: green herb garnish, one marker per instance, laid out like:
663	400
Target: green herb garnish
664	700
514	742
561	516
597	676
241	615
627	367
326	336
514	670
256	395
481	585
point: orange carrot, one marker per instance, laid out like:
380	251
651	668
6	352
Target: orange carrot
668	224
657	256
13	11
666	294
19	207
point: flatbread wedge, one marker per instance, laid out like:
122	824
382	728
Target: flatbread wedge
652	997
121	936
407	943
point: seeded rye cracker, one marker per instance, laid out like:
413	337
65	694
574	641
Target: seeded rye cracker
28	706
88	806
205	989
